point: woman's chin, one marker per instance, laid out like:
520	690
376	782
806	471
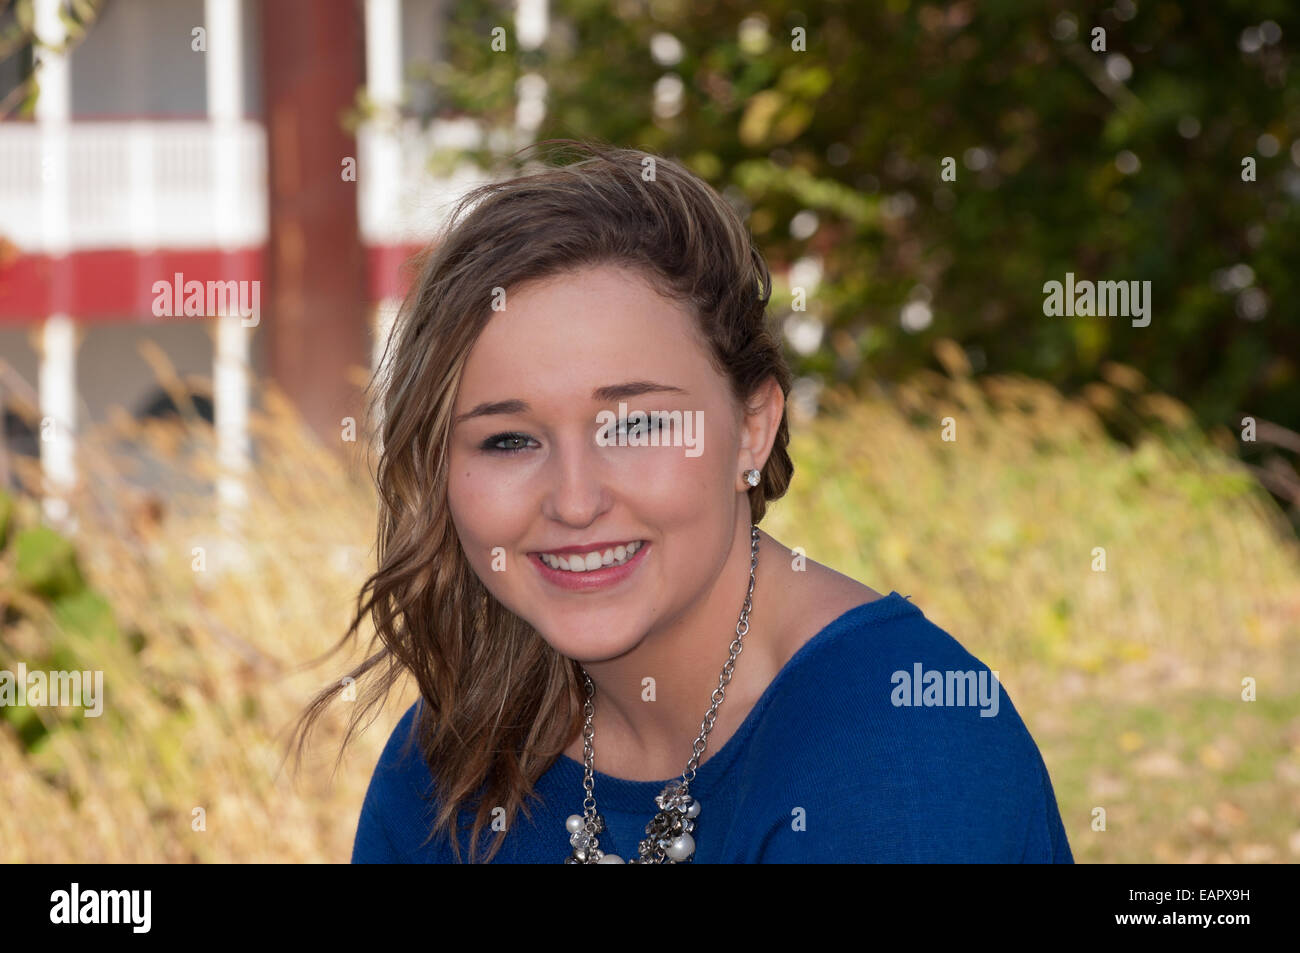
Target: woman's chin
587	645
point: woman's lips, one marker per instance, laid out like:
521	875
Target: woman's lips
591	579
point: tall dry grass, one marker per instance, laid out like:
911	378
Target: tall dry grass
199	718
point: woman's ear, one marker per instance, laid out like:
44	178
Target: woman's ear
759	424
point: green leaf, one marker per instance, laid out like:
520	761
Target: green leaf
6	516
88	614
46	563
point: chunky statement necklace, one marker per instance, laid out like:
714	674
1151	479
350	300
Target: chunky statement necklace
668	835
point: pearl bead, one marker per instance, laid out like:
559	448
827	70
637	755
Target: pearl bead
574	823
693	810
681	848
611	859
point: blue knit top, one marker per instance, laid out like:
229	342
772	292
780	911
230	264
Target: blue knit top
880	740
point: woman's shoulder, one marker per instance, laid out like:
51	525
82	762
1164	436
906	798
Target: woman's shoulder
891	722
401	758
884	668
397	800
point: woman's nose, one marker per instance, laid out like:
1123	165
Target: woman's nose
577	480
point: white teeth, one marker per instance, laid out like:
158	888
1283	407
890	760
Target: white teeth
614	556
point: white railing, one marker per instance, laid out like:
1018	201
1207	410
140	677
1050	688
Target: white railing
195	184
134	184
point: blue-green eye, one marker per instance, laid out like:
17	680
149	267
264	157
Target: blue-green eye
491	444
656	422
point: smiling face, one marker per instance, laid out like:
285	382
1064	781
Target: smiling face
531	475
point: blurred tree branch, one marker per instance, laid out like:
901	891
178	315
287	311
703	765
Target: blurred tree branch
20	35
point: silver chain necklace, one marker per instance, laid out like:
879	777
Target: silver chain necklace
668	835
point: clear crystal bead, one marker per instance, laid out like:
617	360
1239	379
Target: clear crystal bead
672	791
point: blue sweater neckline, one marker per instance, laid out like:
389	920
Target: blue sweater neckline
623	794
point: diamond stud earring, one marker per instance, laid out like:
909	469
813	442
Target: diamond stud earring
752	477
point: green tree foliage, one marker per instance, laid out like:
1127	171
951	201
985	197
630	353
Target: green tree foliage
1115	164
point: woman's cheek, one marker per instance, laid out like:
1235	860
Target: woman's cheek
470	503
675	481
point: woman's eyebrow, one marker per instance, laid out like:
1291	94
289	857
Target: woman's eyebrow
605	394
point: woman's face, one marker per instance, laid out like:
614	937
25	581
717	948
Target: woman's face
530	475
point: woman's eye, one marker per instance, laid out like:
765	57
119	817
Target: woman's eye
506	443
655	422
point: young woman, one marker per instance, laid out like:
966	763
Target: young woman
583	422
